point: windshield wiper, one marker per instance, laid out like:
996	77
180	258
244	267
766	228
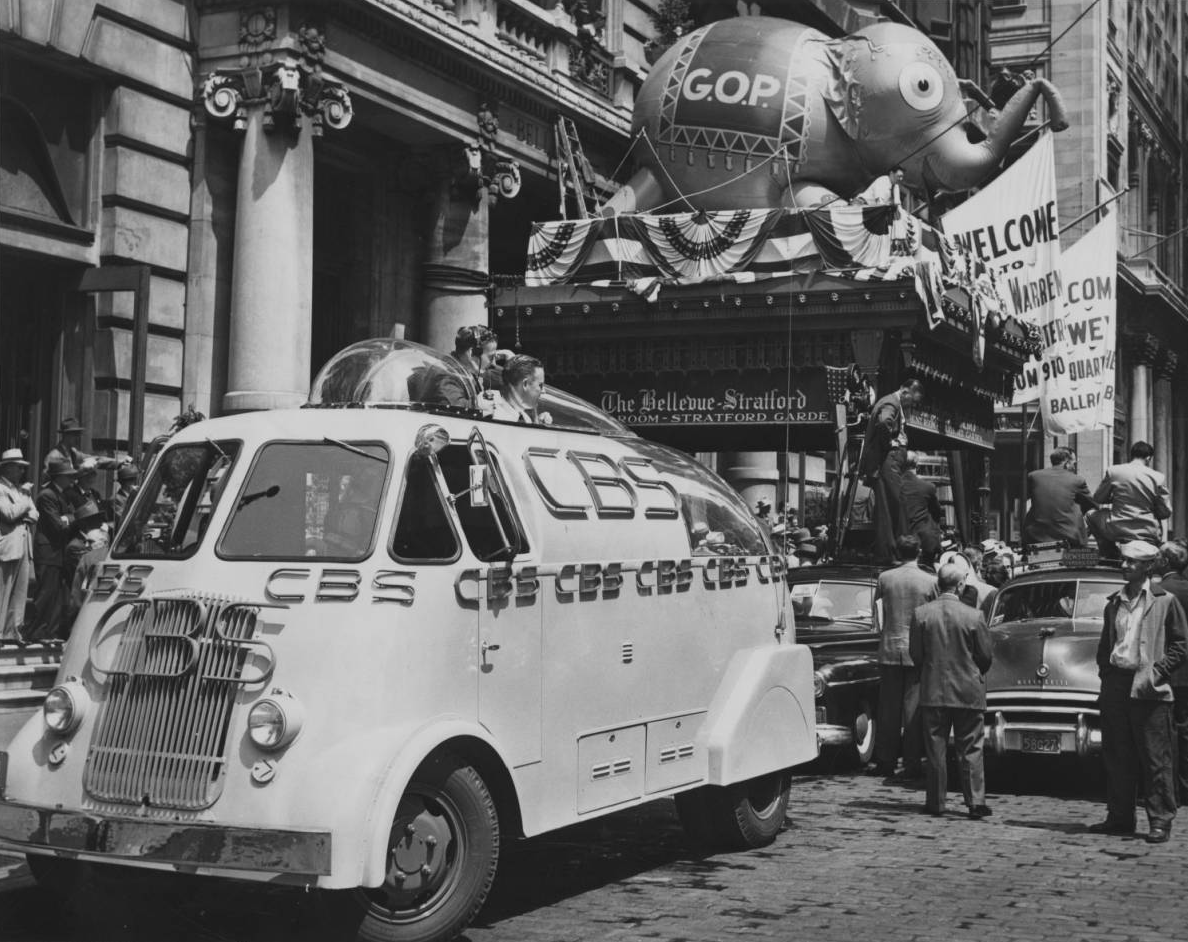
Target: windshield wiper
352	448
256	495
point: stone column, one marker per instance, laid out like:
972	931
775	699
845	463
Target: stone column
280	108
754	474
1165	435
1144	353
457	267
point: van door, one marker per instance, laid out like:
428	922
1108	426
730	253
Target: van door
506	589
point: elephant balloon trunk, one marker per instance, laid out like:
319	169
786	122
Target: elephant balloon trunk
960	160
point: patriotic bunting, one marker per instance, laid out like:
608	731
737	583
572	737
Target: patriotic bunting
855	242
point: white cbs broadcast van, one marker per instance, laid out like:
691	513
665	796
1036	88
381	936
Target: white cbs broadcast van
356	646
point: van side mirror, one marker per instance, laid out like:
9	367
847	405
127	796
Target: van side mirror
479	496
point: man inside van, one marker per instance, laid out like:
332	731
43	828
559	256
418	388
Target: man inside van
523	382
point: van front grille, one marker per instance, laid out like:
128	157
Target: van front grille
174	667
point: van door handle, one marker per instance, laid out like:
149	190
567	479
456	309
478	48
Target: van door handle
489	647
486	667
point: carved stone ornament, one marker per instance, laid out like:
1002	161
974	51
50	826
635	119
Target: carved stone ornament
287	92
257	25
480	166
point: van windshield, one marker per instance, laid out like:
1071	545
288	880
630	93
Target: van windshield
174	507
308	499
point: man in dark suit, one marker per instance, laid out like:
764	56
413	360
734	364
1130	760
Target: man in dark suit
55	527
884	454
474	349
951	645
922	510
1059	499
1144	638
899	730
1175	561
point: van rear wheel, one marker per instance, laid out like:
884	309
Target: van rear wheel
442	852
736	817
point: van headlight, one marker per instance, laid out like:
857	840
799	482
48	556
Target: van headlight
65	706
275	721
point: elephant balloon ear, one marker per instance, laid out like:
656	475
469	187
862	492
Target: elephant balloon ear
841	91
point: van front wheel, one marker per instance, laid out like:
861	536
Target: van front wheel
736	817
442	852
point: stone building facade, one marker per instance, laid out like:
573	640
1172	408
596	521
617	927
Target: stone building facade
1121	69
203	200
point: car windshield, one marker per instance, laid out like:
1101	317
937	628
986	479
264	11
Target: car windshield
827	603
308	499
174	507
1078	599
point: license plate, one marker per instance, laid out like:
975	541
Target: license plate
1041	742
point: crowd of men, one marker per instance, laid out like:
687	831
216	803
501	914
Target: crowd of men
935	650
53	530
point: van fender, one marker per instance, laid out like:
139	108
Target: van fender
409	750
761	718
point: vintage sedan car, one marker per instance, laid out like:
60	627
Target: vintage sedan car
1042	688
834	608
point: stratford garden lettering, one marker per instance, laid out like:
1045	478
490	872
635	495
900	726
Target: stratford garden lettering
733	406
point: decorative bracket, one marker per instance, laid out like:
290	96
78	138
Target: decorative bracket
289	91
480	166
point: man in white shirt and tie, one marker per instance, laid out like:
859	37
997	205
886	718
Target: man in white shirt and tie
523	382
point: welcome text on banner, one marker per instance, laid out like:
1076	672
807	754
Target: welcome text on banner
1012	225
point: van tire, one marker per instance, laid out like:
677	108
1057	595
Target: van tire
454	832
736	817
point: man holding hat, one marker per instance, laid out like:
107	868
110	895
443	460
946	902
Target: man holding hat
1144	638
55	527
69	438
17	515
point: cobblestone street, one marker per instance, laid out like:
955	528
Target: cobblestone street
857	861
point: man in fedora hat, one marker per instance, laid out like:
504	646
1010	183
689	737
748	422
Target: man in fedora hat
55	527
1144	638
17	515
89	535
69	438
128	479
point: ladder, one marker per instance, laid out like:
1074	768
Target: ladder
574	171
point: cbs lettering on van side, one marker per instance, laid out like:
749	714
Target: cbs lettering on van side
359	648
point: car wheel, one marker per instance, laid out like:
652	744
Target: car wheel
442	852
863	749
736	817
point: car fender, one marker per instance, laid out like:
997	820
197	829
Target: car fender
761	718
408	752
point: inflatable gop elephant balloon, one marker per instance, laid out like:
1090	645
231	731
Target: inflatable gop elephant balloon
758	112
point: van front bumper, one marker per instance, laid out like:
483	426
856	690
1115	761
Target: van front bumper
183	845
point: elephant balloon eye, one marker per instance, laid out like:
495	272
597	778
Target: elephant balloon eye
921	86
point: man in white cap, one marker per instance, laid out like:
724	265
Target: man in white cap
1144	638
18	515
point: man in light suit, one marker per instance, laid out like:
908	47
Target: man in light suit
951	645
1059	498
17	517
1144	638
884	455
1138	499
899	730
523	382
